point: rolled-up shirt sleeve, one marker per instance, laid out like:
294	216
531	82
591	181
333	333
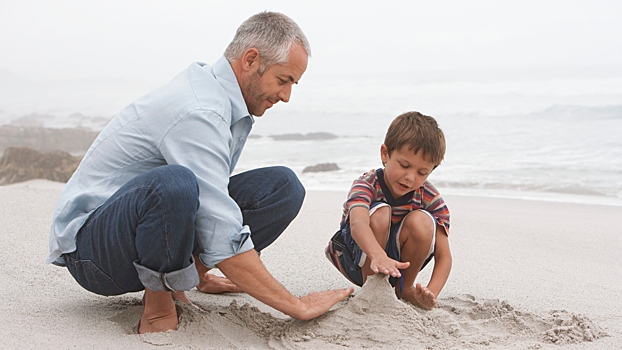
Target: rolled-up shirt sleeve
201	141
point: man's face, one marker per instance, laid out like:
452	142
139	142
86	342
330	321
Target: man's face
262	91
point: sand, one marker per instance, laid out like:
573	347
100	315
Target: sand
526	275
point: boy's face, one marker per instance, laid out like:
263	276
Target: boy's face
404	170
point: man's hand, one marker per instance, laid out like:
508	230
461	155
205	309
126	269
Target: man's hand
316	304
248	272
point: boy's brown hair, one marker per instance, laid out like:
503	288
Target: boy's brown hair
420	132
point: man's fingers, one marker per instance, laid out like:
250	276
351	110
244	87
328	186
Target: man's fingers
320	302
346	291
334	295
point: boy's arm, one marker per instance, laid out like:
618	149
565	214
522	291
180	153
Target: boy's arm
442	262
365	238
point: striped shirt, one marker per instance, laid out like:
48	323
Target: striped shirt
371	188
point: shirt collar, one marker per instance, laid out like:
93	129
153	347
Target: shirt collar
226	78
387	193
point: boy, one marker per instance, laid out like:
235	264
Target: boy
394	221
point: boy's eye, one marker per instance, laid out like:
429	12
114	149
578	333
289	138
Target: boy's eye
405	166
422	174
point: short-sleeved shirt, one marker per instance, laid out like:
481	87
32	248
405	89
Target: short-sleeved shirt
371	188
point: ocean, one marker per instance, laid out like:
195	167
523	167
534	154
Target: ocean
545	135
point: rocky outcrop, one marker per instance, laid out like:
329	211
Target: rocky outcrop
75	141
321	167
20	164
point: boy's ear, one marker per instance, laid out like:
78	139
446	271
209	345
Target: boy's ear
384	154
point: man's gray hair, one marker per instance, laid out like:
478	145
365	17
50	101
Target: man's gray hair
272	34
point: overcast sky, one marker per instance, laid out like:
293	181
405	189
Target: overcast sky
154	40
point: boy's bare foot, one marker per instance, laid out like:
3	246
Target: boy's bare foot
212	284
419	296
160	314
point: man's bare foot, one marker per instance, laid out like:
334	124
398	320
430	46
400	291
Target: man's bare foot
419	296
160	314
181	296
212	284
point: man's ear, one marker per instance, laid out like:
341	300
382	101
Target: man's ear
250	60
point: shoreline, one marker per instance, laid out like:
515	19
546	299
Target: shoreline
551	197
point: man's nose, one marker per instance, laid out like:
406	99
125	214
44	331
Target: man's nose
285	93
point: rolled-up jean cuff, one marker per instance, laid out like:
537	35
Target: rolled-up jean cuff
180	280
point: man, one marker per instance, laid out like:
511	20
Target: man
152	205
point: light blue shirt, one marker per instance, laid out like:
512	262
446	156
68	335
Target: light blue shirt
198	120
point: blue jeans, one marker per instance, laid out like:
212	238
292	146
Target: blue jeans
143	236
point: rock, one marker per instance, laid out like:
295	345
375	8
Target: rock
301	137
75	141
321	167
21	164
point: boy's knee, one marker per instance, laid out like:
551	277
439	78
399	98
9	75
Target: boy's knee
381	217
419	225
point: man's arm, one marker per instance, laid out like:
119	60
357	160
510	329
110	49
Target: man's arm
248	272
200	141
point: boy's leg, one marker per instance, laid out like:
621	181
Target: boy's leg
142	237
270	198
415	238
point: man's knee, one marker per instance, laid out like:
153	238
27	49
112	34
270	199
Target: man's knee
178	184
291	186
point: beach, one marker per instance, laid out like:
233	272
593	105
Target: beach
526	275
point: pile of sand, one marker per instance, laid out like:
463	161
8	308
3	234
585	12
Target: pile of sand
374	318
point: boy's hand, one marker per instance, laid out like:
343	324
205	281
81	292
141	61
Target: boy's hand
420	296
425	297
388	266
